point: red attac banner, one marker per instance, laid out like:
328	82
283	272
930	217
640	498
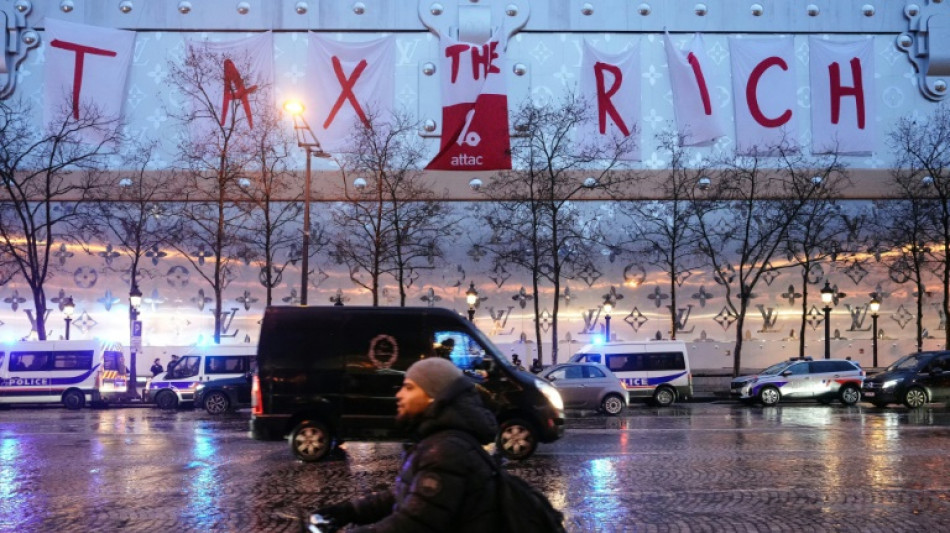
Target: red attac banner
842	96
474	106
697	109
611	83
764	85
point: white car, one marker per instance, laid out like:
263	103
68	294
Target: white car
823	380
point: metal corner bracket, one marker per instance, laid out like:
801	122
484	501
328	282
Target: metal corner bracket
928	26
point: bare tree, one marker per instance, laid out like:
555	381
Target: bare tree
391	223
922	150
535	221
662	230
43	172
217	154
745	215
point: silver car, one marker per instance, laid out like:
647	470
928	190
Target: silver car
587	386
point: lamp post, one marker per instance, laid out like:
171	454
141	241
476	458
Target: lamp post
875	306
471	297
607	309
135	334
828	296
68	309
307	140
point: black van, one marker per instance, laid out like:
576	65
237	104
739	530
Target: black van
329	374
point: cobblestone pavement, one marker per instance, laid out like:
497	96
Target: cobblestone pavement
697	467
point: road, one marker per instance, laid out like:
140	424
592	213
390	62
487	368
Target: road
694	467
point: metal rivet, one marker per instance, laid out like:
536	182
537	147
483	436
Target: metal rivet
587	9
511	10
757	10
428	69
868	10
29	37
243	8
912	10
644	9
701	9
184	7
23	6
940	86
359	8
359	183
125	182
429	125
301	8
590	183
904	41
475	184
519	69
125	6
436	9
812	10
66	6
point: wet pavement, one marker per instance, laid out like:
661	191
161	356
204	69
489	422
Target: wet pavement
696	467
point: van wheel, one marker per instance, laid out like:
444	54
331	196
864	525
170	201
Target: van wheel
517	439
612	405
166	400
73	399
310	441
664	397
850	395
769	395
915	397
217	403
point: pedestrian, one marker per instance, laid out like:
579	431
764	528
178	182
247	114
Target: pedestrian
446	480
516	361
171	364
157	367
536	365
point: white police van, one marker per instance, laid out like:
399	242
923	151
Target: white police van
200	364
655	371
74	372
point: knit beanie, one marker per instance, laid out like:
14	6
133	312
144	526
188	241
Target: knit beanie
433	375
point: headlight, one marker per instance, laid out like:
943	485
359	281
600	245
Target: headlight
549	392
200	388
891	383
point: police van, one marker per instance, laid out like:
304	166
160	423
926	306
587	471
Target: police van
654	371
75	372
198	365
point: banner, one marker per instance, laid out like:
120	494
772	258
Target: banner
611	83
764	86
86	68
241	80
345	82
695	107
842	96
474	106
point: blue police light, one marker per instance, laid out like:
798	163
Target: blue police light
598	340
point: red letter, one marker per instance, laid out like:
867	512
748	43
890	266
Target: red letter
838	91
484	59
346	91
455	51
752	99
701	81
81	52
234	90
604	105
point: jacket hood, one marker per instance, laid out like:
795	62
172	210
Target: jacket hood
459	408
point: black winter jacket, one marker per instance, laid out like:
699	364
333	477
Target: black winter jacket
446	481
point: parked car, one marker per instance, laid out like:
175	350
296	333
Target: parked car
914	380
824	380
587	386
222	395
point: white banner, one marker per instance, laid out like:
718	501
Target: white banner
474	106
842	96
697	111
244	85
611	83
764	84
345	81
86	67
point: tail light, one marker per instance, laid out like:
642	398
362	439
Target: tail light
256	404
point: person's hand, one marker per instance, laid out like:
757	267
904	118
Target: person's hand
340	514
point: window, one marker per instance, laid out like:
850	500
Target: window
797	369
665	361
591	358
594	372
113	360
625	362
71	360
29	361
187	367
574	372
226	364
461	349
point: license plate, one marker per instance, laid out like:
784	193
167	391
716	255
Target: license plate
868	394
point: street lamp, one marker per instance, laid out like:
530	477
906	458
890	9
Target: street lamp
828	296
471	297
68	309
307	140
135	334
875	306
607	309
135	301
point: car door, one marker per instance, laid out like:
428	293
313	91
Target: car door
597	382
822	376
570	383
798	382
938	377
